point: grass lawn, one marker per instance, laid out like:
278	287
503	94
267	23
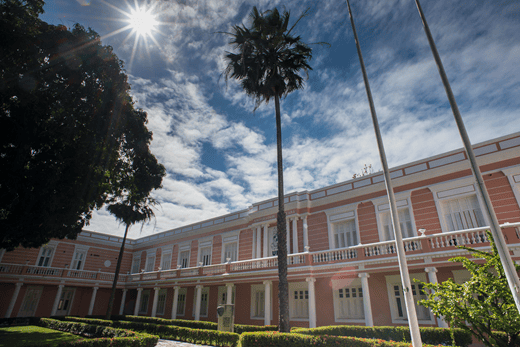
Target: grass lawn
31	335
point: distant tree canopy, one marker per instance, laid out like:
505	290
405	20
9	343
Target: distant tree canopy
70	137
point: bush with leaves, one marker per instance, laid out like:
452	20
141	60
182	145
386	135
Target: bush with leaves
483	305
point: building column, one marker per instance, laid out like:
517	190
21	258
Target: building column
123	299
259	242
92	300
295	235
229	294
57	300
253	248
138	301
288	237
266	239
267	303
367	306
175	301
155	300
305	234
432	278
312	302
198	296
13	299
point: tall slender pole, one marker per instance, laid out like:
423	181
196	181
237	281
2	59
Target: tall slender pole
401	256
496	231
116	275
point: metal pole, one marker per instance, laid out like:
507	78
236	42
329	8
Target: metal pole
401	257
496	231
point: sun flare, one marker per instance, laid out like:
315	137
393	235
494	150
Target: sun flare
142	21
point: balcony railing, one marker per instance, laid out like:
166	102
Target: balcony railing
417	245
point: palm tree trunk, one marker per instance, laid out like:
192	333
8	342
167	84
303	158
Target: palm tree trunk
283	286
116	275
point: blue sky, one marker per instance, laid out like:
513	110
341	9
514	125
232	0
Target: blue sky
221	156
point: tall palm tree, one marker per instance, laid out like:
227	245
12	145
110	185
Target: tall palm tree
268	63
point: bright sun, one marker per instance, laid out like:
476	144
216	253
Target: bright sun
142	21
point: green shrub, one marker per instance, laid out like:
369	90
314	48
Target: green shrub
434	336
99	336
243	328
169	332
275	339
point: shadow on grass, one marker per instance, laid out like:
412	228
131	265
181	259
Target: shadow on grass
31	335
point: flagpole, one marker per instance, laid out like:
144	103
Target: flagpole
401	256
496	231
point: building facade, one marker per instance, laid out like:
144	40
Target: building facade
342	262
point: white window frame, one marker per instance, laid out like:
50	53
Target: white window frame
136	260
460	188
229	239
258	288
204	291
166	255
342	214
51	245
79	249
395	280
351	284
144	294
185	247
513	176
205	245
181	304
161	301
38	290
222	295
402	201
303	292
150	264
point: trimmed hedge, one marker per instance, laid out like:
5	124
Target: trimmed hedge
99	336
239	328
434	336
170	332
13	321
275	339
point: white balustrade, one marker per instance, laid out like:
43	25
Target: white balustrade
255	264
334	254
467	237
294	259
193	271
150	276
168	273
45	271
11	268
214	269
82	274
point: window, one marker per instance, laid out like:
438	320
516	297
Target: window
405	223
222	295
150	261
462	213
45	258
30	301
348	303
161	301
273	242
79	257
345	234
136	263
181	302
230	251
397	300
205	256
204	299
298	301
145	297
166	260
184	259
257	301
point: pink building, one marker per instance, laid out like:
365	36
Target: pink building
342	260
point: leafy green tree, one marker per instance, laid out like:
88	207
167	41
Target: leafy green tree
483	305
70	137
268	63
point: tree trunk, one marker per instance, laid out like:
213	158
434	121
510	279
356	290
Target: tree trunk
116	275
283	286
